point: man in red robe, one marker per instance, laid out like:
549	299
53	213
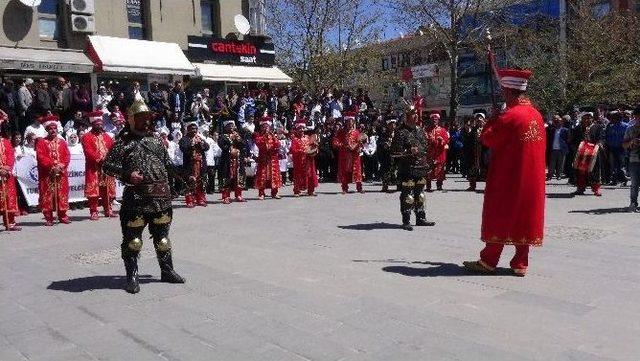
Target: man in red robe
348	142
194	148
98	186
268	163
53	159
438	146
8	194
513	211
304	148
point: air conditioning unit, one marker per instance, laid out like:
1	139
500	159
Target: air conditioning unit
83	23
83	7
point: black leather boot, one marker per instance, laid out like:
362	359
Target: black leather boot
167	274
406	221
421	220
131	266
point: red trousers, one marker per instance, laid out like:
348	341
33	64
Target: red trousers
196	197
311	189
104	197
490	256
581	183
274	192
226	193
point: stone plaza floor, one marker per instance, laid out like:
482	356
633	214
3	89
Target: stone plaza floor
328	278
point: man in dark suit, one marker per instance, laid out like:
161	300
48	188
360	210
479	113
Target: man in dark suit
557	147
177	103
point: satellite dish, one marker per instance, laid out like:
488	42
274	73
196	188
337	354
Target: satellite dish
241	23
31	3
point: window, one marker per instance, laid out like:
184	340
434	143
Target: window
209	10
135	19
48	19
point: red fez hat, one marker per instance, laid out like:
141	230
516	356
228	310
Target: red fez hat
434	115
514	78
49	120
95	115
349	115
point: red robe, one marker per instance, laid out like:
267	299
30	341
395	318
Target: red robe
268	163
96	147
438	138
305	176
513	211
349	160
8	185
50	152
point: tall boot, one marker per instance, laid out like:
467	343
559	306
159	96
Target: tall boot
439	185
421	219
472	185
238	194
359	187
48	218
167	274
131	266
595	187
93	208
188	200
406	221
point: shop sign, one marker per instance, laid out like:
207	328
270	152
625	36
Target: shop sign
44	66
206	49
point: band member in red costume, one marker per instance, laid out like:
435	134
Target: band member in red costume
418	103
232	162
304	148
53	158
194	148
348	142
98	186
513	211
438	146
8	194
268	164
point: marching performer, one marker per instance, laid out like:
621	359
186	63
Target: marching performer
53	159
141	161
8	192
439	144
194	148
268	171
387	168
232	162
348	141
409	148
96	144
304	148
513	210
588	160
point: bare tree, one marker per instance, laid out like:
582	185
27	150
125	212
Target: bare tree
453	23
315	39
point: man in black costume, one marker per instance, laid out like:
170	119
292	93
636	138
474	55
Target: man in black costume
409	148
141	161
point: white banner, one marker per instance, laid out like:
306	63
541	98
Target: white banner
26	171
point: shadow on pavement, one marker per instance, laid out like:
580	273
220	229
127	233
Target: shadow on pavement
439	269
95	283
601	211
560	195
371	226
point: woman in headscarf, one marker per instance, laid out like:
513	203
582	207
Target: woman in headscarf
73	141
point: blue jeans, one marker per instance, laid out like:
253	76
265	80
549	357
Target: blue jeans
634	171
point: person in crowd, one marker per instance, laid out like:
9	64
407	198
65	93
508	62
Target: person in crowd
194	148
588	163
369	156
455	149
141	160
37	128
615	131
158	103
268	174
98	186
410	148
176	157
8	192
348	142
438	146
81	98
42	99
20	150
177	102
25	100
200	109
75	123
212	155
103	99
73	142
558	147
284	158
514	198
304	148
57	91
232	162
385	158
474	151
325	158
631	143
53	179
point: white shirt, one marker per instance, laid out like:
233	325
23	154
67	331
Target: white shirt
213	152
38	130
370	146
175	153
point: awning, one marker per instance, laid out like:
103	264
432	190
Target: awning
49	60
239	73
138	56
